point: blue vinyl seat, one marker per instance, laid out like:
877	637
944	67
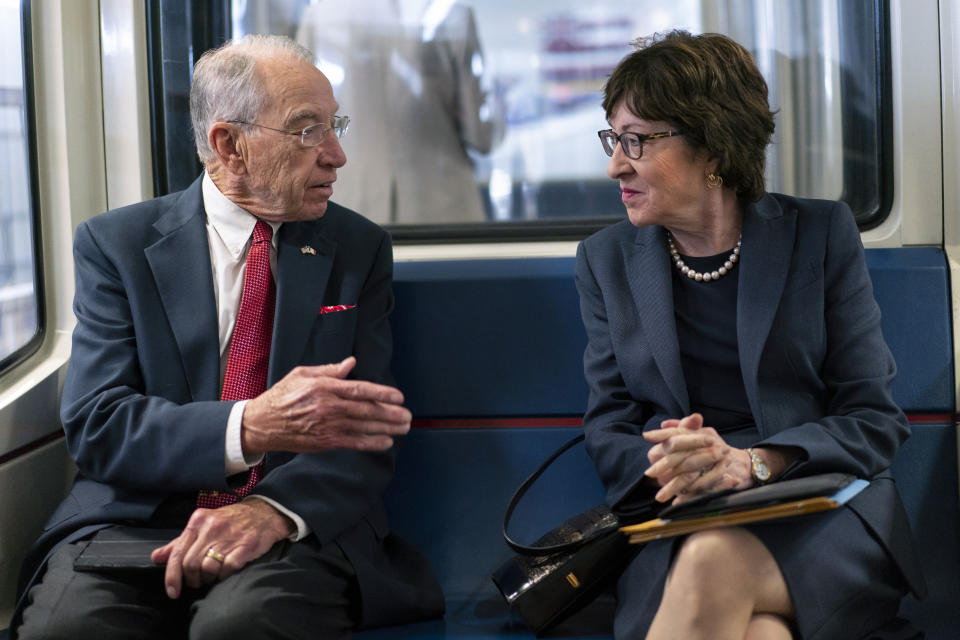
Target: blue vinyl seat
488	354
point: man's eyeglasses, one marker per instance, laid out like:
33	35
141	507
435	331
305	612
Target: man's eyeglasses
632	143
312	135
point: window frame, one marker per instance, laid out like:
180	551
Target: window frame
30	135
208	24
883	127
177	30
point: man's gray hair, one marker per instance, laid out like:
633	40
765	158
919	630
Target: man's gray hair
226	85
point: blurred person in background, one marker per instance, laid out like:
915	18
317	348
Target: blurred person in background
410	73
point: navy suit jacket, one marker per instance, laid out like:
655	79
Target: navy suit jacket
815	366
140	403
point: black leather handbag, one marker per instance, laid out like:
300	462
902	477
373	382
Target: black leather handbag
566	568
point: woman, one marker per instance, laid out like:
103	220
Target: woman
733	341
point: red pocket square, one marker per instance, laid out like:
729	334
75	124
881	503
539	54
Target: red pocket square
337	307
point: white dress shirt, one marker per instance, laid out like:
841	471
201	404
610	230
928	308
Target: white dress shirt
229	230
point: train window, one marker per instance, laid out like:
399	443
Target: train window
20	318
478	120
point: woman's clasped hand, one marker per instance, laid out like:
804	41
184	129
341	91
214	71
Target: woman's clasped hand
689	459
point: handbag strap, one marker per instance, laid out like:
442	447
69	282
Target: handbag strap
518	495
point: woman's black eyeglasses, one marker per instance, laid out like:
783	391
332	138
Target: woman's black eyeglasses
632	143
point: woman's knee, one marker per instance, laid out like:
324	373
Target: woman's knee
710	560
714	555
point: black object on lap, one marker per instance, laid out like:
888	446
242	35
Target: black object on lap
123	549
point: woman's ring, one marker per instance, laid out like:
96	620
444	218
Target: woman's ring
703	470
211	553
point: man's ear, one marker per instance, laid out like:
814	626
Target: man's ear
224	139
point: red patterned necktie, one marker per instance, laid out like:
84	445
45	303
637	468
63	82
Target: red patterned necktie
246	375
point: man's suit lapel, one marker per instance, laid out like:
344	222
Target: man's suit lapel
768	239
180	262
648	268
305	254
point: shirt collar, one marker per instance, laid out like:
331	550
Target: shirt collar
231	222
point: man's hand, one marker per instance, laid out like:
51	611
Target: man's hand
316	408
238	533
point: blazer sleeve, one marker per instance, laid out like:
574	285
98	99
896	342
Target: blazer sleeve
614	420
115	431
334	490
849	373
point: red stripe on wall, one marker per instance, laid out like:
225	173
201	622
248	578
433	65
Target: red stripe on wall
576	421
478	423
930	418
481	423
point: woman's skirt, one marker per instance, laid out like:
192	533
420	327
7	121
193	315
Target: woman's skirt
842	581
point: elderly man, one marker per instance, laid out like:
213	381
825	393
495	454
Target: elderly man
229	384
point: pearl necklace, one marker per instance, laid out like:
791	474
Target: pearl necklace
696	275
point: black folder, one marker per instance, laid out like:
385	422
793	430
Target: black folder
123	549
730	508
770	494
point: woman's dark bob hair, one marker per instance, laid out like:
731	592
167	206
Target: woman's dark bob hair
708	87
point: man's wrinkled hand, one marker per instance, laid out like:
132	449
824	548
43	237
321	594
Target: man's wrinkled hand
216	543
316	409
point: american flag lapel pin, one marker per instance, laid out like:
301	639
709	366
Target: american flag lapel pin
305	249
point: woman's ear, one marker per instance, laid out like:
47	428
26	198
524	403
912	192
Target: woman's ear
224	139
713	164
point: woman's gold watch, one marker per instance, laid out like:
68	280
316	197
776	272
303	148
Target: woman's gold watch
759	470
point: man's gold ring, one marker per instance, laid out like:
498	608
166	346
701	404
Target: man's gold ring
211	553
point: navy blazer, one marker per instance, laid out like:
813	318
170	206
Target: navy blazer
140	404
816	369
